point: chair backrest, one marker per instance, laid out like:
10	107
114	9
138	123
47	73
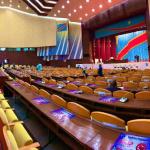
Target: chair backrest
34	89
21	135
130	85
61	82
102	90
101	84
134	79
5	105
121	93
88	81
79	79
52	81
78	109
143	95
98	78
44	94
45	80
91	78
58	100
107	118
26	84
121	79
86	89
11	116
141	126
144	84
3	117
70	79
71	86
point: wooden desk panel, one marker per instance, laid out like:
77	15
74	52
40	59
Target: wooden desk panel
129	110
76	132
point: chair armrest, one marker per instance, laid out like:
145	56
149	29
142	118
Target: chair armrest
33	145
13	123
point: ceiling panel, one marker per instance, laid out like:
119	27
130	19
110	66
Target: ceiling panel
17	4
81	10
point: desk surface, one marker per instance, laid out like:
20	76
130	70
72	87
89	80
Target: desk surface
132	109
90	134
83	130
136	104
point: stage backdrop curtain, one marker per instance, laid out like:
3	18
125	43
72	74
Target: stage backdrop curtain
132	44
104	48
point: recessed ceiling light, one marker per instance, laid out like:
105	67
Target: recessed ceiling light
69	14
109	1
10	5
55	15
93	10
80	7
27	7
58	11
62	6
10	1
68	2
86	14
2	2
87	1
18	6
80	18
100	6
74	10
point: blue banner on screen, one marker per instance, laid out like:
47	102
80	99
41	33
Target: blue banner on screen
75	41
61	47
132	44
131	142
122	26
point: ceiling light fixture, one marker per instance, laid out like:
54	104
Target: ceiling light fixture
93	10
62	6
80	6
29	1
69	14
100	6
68	2
74	10
51	2
43	5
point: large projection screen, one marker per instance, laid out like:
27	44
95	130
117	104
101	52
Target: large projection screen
23	30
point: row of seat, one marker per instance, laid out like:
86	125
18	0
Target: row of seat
15	135
143	95
133	125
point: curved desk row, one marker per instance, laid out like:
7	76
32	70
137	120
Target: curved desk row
130	110
78	133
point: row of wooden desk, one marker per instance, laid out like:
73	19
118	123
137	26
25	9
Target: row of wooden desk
132	109
14	75
3	78
78	133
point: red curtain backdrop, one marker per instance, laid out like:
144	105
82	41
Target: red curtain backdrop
104	48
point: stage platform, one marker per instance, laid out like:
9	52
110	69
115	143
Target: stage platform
131	65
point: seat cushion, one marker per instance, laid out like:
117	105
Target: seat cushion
5	104
11	116
21	135
12	140
3	116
